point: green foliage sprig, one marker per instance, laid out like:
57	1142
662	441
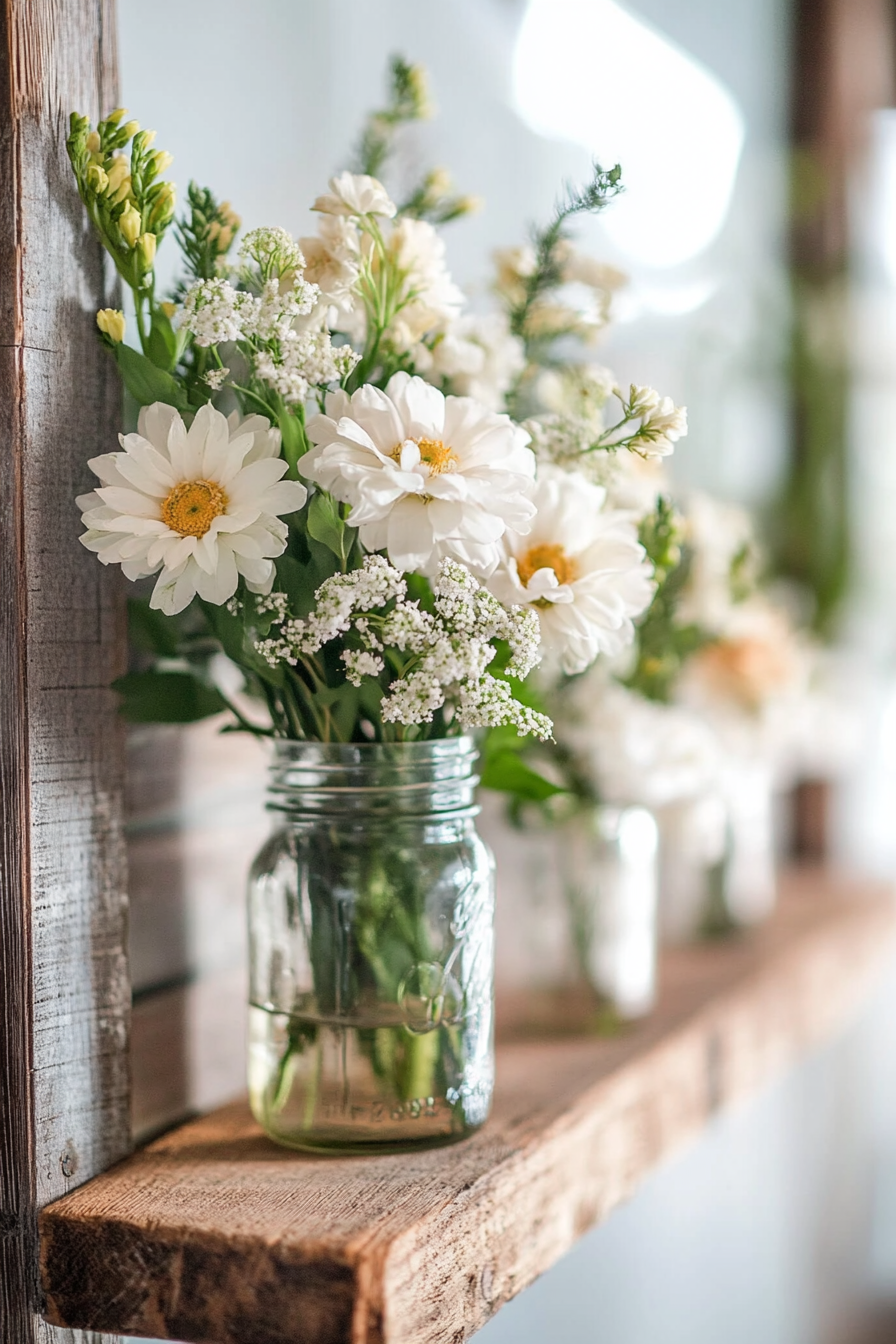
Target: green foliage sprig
547	274
664	642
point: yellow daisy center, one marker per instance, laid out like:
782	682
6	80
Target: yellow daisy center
549	555
191	507
437	455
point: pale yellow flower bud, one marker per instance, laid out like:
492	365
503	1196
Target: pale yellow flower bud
169	309
130	128
438	182
146	246
468	205
111	322
118	115
148	138
123	191
161	160
117	172
419	86
130	224
93	142
229	215
96	179
225	238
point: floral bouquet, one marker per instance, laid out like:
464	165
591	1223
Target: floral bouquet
350	487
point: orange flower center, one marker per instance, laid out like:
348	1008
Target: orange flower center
547	556
437	455
191	506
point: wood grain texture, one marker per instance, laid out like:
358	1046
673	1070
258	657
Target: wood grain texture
214	1234
63	975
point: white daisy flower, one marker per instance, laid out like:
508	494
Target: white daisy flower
202	505
355	194
581	566
428	476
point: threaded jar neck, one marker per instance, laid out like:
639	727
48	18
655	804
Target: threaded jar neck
374	778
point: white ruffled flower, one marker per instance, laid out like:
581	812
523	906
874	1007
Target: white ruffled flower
661	428
433	299
480	357
636	750
202	505
355	194
427	476
332	258
581	567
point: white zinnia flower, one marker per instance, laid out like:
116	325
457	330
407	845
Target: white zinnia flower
332	257
481	357
200	504
355	194
432	297
427	476
636	750
581	566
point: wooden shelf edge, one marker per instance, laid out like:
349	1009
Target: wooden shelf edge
213	1234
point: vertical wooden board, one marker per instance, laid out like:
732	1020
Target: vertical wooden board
63	1033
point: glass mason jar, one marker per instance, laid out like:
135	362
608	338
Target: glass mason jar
608	857
371	917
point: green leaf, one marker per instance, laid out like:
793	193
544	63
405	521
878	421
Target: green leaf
152	631
145	382
166	697
295	445
298	582
161	346
327	526
505	772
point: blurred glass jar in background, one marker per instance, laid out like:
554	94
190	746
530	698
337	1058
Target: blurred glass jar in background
608	858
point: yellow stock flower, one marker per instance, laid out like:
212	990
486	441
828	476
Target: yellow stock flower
111	322
117	172
130	225
97	180
146	245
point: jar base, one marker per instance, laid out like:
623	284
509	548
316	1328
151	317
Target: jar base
333	1147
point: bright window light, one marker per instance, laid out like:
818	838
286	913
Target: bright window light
590	72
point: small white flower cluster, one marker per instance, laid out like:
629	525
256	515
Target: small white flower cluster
450	648
662	422
274	251
277	308
302	360
337	600
215	312
215	378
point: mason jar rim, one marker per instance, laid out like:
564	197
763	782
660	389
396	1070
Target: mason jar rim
375	778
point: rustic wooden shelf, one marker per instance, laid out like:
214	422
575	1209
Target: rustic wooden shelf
214	1234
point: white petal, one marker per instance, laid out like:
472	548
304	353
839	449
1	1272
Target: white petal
218	587
129	501
174	592
250	483
154	423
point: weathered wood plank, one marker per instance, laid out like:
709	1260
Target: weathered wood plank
213	1233
63	975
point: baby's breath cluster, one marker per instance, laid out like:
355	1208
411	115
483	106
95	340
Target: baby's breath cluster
442	655
264	315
